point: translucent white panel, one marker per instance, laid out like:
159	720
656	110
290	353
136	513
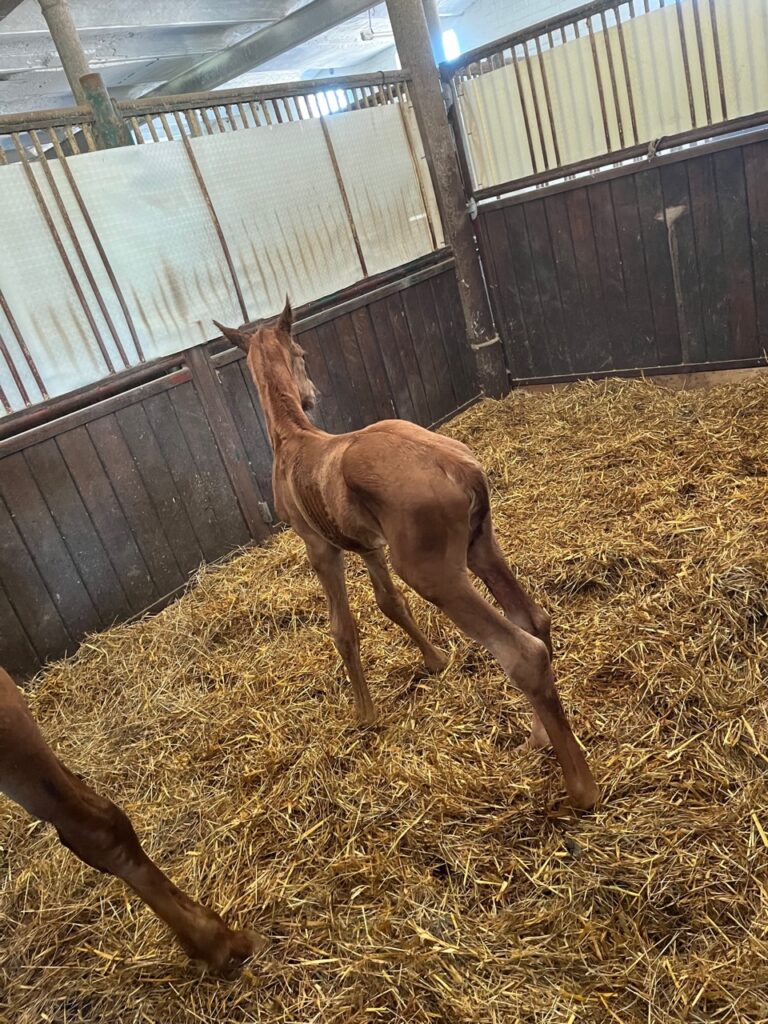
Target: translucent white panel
380	176
276	195
161	242
42	301
501	146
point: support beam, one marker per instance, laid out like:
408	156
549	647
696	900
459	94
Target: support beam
8	7
64	34
298	27
409	25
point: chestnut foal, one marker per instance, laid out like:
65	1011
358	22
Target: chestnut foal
426	497
100	834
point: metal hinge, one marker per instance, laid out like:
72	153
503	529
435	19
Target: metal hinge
472	208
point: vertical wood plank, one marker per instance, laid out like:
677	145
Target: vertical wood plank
389	346
756	172
596	330
247	422
200	511
423	350
108	518
524	269
340	384
432	339
453	329
650	203
44	543
374	364
211	472
136	504
611	272
78	532
327	412
548	286
709	256
502	288
364	405
737	253
27	592
685	271
639	337
573	325
17	655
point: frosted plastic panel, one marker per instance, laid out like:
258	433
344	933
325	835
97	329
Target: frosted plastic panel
42	300
161	242
492	105
278	201
269	197
380	174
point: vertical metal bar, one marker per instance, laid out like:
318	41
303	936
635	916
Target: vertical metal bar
686	64
166	127
216	223
97	242
243	116
276	109
524	109
536	110
718	60
264	106
219	121
548	100
203	112
89	137
344	197
231	116
137	133
192	122
3	158
149	121
612	71
71	139
625	65
48	172
599	78
40	200
702	63
415	165
25	352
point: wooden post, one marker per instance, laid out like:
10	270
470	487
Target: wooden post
67	42
409	26
110	129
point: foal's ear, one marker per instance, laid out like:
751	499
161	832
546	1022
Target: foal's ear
285	320
243	341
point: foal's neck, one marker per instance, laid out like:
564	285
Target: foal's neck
281	404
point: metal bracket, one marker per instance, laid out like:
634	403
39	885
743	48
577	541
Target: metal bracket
472	208
265	512
653	145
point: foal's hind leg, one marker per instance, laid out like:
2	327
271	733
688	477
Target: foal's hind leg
395	607
523	657
486	560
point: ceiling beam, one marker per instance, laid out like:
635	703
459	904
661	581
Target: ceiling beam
8	7
298	27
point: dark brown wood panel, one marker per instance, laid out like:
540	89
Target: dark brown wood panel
394	339
364	403
17	654
107	515
385	406
47	547
248	423
756	172
458	353
737	255
76	529
660	266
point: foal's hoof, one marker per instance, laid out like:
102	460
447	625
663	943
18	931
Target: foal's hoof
584	797
367	719
436	661
227	949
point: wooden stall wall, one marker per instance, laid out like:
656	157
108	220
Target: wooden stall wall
655	268
106	511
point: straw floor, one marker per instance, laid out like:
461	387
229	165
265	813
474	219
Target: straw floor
427	871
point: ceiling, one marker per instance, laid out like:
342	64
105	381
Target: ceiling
138	45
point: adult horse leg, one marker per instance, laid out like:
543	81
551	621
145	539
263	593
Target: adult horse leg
101	835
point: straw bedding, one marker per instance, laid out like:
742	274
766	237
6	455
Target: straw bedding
427	871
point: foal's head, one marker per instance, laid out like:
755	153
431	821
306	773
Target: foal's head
273	347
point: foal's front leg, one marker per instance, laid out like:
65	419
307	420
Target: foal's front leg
328	563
